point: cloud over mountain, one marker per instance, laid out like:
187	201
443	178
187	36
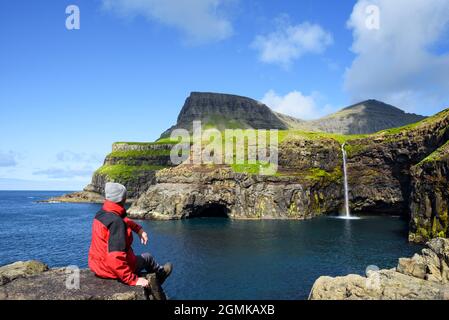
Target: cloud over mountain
295	104
290	42
402	61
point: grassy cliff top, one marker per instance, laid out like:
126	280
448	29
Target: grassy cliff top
139	153
123	173
427	121
341	138
441	154
157	142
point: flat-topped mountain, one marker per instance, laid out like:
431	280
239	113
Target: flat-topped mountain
225	111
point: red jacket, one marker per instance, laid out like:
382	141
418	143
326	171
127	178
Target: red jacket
110	254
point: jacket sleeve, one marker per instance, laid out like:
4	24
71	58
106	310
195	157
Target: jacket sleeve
116	257
134	226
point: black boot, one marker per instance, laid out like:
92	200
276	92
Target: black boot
165	272
154	291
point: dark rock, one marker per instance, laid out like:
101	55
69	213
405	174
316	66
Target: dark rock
429	201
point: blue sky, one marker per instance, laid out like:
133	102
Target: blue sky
67	95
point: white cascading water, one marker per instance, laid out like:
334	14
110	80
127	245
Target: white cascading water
345	175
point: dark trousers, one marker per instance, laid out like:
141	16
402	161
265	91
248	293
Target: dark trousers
146	263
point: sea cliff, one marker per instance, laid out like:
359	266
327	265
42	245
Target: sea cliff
400	170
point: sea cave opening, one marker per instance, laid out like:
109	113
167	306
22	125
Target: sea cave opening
213	210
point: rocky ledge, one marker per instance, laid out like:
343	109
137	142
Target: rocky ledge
425	276
33	280
78	197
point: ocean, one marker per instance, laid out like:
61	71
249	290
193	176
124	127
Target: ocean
214	258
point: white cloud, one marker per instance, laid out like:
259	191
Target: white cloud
199	20
295	104
400	62
64	173
8	159
289	42
70	156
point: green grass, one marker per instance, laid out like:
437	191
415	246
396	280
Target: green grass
166	140
412	126
397	130
157	142
285	134
250	168
221	123
340	138
354	149
121	172
318	174
139	153
437	154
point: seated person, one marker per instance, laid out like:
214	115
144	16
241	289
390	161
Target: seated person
111	255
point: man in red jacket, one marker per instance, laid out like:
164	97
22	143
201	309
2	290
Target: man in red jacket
111	255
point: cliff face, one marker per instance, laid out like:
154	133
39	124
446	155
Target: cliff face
430	197
379	166
193	191
308	184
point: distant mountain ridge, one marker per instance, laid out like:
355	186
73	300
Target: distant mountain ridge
365	117
226	111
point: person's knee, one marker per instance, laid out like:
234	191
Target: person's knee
147	257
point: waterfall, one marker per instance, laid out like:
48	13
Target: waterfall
345	175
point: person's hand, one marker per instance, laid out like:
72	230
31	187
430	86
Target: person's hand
143	237
142	282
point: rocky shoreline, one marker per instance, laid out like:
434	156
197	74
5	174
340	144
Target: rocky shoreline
425	276
77	197
33	280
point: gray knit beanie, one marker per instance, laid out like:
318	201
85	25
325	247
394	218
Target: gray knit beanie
114	192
